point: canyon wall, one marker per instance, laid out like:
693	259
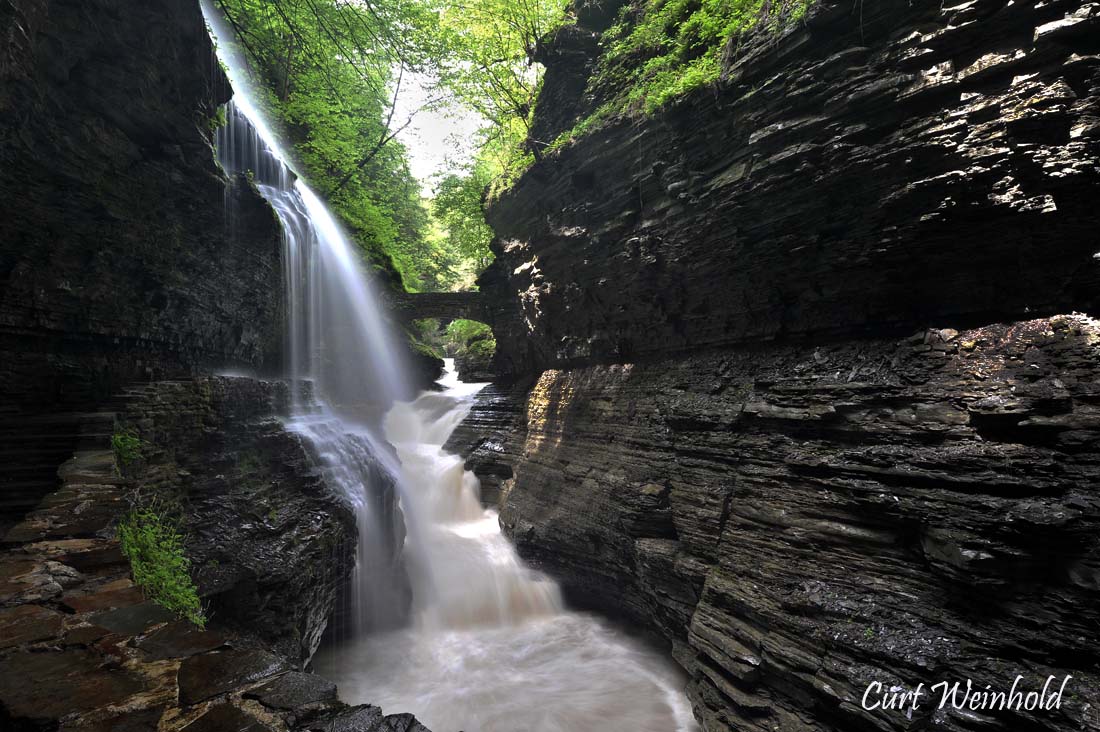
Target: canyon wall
812	398
117	260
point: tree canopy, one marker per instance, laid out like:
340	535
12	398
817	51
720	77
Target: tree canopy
334	71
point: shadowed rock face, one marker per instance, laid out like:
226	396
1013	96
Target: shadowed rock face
83	649
877	171
744	433
117	259
802	521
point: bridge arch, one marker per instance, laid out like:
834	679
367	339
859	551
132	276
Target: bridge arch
442	305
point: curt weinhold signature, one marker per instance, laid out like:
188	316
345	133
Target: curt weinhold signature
969	697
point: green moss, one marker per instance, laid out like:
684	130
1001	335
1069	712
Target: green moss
217	120
425	349
154	546
127	446
660	50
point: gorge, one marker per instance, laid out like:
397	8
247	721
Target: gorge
794	392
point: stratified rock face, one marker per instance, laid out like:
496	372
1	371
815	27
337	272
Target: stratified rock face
271	544
81	647
116	257
741	443
803	521
872	169
491	437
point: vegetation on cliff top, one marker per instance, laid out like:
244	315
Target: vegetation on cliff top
659	50
334	72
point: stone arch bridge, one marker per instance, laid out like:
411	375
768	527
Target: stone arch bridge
444	305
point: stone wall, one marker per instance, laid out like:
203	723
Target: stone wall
116	259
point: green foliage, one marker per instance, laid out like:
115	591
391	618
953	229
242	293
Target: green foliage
462	332
488	46
217	120
457	206
154	546
659	50
426	349
127	446
469	339
332	71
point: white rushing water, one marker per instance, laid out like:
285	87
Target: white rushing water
489	646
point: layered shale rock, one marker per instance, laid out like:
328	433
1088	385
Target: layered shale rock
117	260
84	650
801	521
878	168
805	403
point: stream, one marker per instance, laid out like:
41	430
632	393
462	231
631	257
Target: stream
491	646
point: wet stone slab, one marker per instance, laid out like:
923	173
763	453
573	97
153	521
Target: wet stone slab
132	620
104	600
28	624
178	640
295	689
50	685
130	720
227	718
210	674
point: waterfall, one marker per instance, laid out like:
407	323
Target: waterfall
338	341
489	645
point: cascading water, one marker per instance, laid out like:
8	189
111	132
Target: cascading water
490	646
336	341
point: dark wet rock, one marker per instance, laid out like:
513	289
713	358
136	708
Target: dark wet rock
41	687
491	437
799	521
364	719
105	600
133	619
130	720
270	544
179	640
746	432
118	260
401	723
294	690
28	624
84	635
227	718
853	174
210	674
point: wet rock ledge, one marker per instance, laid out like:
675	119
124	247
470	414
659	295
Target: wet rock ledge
82	649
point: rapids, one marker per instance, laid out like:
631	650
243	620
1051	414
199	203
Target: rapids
491	647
